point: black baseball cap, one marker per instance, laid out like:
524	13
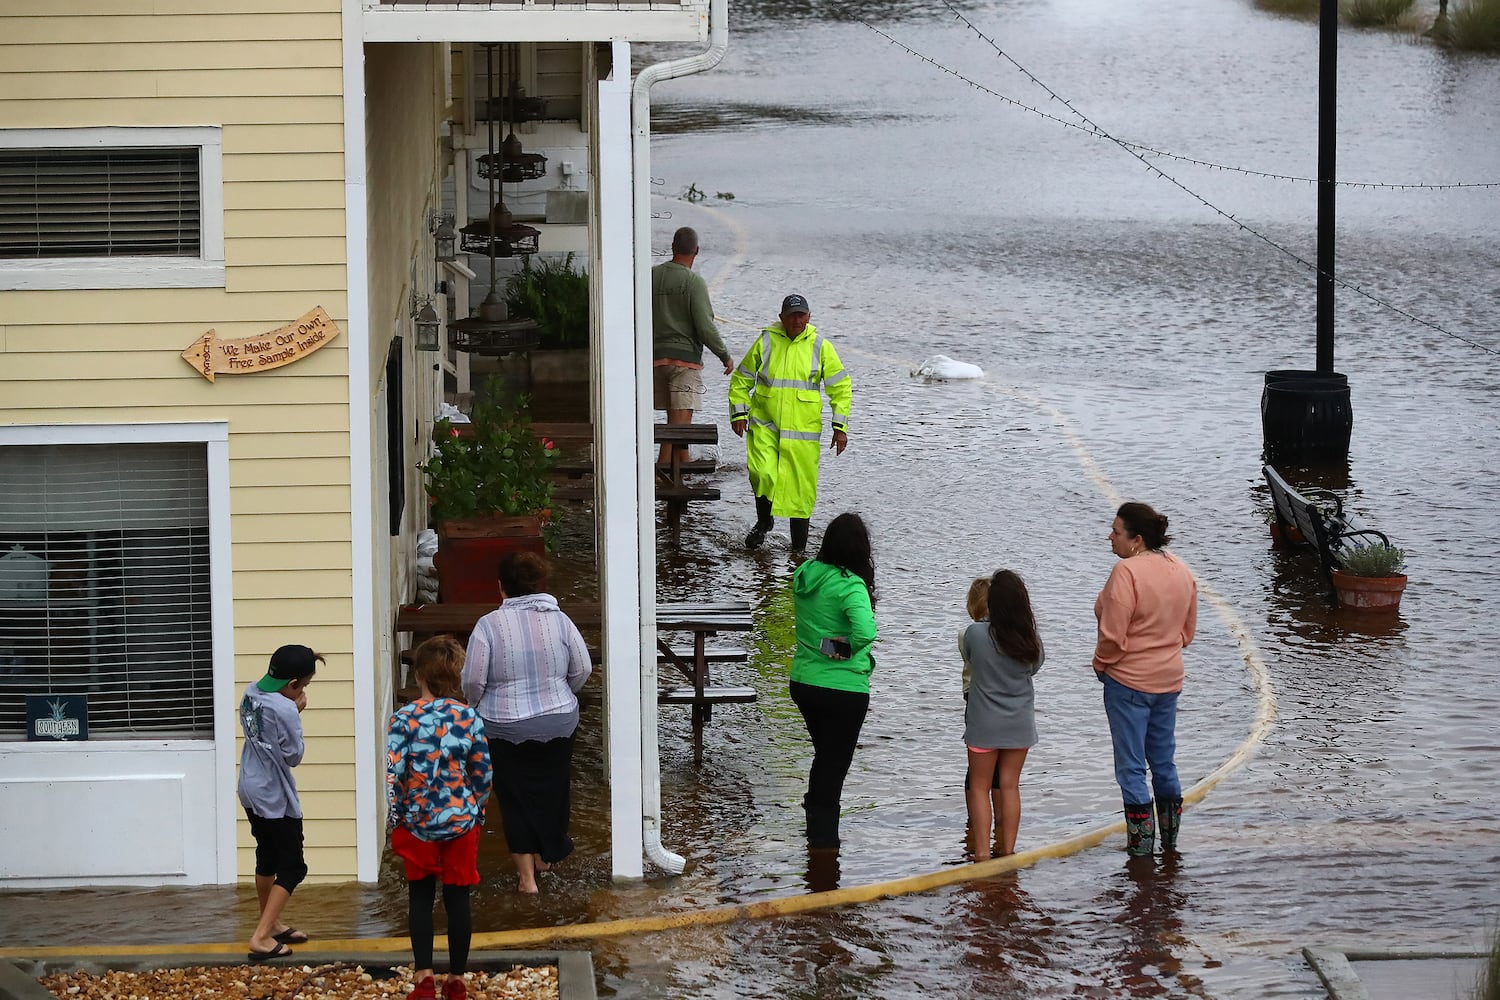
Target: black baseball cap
795	304
289	663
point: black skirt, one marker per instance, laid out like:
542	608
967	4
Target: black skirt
531	785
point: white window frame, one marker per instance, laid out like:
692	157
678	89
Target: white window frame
204	271
214	435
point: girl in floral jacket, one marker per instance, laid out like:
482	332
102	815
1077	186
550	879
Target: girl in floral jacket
438	777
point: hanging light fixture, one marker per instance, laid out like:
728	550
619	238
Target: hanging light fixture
499	235
427	323
490	331
444	238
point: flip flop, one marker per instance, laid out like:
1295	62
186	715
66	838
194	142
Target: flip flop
290	936
280	951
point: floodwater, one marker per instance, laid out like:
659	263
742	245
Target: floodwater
1124	328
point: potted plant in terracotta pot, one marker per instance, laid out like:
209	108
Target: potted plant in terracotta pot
489	494
1370	576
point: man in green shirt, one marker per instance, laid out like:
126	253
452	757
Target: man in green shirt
682	324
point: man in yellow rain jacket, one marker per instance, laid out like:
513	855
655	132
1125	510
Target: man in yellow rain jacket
776	405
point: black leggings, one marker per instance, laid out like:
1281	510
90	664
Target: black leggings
420	897
834	719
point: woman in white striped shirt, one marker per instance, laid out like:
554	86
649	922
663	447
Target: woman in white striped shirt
526	661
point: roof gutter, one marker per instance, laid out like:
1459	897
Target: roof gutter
640	114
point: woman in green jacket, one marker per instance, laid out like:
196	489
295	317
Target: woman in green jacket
834	599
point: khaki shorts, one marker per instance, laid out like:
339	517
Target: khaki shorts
674	387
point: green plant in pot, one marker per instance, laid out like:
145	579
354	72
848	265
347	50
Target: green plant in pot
489	494
556	296
1370	576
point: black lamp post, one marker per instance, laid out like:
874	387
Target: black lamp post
1306	416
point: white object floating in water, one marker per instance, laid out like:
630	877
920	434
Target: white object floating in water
940	367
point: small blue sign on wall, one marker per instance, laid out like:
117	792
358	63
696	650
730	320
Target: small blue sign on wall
57	716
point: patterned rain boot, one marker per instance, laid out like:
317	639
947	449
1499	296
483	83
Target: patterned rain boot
1140	830
1168	820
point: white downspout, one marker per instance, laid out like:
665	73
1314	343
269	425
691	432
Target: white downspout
640	113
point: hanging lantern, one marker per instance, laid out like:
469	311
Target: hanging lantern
428	326
445	241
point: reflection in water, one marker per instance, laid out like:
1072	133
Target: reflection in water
1005	935
1150	916
672	119
822	869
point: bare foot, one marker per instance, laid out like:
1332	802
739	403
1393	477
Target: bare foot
530	890
543	866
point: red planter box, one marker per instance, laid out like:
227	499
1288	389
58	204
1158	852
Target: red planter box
470	550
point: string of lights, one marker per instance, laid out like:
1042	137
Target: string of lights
1134	150
1151	150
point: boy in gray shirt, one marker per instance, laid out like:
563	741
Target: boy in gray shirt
269	716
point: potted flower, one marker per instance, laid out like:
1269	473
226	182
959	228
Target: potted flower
488	493
1370	576
556	295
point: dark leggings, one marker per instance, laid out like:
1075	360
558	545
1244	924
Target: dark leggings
420	897
834	719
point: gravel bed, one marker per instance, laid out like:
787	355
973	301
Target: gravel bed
339	981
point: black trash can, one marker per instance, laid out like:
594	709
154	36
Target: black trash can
1306	416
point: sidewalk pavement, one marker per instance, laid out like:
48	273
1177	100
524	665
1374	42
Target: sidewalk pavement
1390	975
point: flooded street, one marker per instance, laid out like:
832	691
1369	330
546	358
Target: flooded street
1124	329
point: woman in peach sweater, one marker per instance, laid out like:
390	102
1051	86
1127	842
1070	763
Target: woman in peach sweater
1147	612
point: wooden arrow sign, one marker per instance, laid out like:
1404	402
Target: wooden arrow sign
211	355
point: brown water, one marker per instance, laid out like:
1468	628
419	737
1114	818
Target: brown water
1124	329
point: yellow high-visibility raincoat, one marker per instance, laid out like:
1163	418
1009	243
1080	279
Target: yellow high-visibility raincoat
778	388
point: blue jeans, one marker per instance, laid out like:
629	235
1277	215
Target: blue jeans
1143	729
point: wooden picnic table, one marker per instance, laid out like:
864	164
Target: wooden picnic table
701	619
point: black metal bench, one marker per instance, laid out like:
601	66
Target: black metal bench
1320	517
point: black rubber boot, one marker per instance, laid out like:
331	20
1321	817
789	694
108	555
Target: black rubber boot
1140	830
822	827
799	536
763	523
1168	820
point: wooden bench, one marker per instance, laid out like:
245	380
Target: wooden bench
591	695
1320	517
576	468
685	695
576	471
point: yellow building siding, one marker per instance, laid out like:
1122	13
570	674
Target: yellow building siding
273	585
150	56
296	211
269	75
272	556
101	24
158	317
107	109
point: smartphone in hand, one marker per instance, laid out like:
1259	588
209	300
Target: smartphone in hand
836	648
